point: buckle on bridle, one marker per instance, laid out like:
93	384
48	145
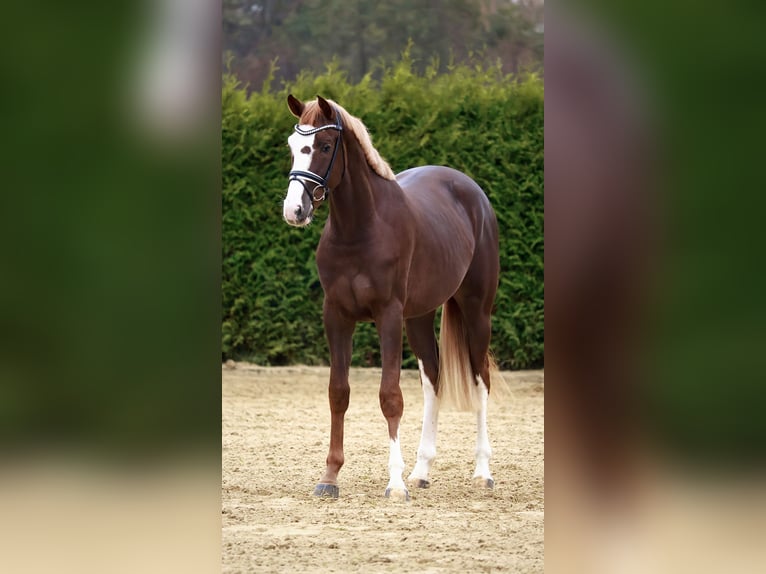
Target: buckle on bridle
321	197
303	177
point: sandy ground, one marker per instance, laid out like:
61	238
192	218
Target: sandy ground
275	438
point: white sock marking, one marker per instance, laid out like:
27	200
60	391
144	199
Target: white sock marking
483	450
427	448
395	466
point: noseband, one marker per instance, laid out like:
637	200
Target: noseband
303	176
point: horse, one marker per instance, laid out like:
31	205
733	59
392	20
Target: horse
393	250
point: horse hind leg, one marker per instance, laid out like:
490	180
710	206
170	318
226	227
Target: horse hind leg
422	340
481	475
478	329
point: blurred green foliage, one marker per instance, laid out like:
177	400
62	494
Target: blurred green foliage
109	244
474	118
305	34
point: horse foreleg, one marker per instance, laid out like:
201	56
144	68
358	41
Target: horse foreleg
389	325
339	332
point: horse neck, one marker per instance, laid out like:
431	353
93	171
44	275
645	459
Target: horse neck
353	203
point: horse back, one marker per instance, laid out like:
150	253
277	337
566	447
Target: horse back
445	201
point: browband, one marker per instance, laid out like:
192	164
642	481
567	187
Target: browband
308	132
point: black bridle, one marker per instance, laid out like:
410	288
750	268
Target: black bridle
303	176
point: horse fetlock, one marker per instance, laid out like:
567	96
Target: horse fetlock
482	452
335	462
419	474
426	454
482	468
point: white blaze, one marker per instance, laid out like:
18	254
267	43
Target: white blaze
301	161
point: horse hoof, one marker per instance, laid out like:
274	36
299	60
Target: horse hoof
398	494
326	490
482	482
420	483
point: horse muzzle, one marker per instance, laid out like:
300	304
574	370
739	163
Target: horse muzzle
298	208
298	215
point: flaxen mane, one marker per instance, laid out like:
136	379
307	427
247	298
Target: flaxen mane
354	125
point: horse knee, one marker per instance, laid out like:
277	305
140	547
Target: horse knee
339	393
391	403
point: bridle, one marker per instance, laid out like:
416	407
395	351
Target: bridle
321	182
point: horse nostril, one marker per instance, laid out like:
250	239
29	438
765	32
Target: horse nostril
298	211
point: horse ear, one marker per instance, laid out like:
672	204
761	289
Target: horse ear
326	108
295	105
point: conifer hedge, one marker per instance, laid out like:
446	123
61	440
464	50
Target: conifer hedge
473	118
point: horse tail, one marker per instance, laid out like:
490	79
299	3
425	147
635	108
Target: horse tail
457	385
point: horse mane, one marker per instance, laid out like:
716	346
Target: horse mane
312	112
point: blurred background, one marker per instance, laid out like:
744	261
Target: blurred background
425	101
111	257
655	438
110	229
109	287
364	35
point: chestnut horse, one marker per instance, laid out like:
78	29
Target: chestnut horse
393	249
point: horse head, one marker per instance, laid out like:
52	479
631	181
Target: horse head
314	145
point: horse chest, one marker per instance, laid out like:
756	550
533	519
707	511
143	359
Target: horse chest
356	294
363	290
354	289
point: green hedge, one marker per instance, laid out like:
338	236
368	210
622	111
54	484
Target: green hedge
474	119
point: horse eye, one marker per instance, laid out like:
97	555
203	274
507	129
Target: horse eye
326	148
